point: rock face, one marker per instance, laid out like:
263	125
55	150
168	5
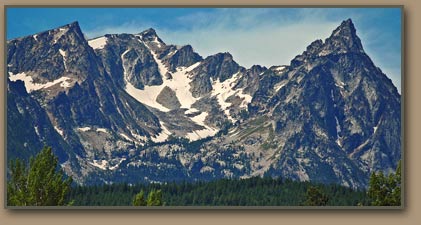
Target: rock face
130	108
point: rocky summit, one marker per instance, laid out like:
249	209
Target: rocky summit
131	108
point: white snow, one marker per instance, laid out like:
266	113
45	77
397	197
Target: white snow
340	85
280	85
35	37
60	33
102	130
117	165
125	137
338	130
199	134
238	166
180	84
138	137
157	42
98	43
280	68
223	90
172	53
66	84
161	137
102	164
37	130
377	126
59	130
338	127
324	52
146	96
84	129
191	110
206	169
31	86
63	54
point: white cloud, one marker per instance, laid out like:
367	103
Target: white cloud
258	36
266	45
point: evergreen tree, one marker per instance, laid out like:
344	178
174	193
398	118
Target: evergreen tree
139	199
40	184
154	198
315	197
385	191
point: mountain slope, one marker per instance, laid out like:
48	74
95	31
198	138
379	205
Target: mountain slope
129	107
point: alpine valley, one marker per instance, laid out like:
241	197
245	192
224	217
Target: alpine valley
131	108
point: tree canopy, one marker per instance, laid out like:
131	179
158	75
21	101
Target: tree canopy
42	184
385	190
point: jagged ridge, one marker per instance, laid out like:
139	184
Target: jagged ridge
329	116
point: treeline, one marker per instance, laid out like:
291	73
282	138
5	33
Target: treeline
43	183
254	191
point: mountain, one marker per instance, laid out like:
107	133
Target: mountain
131	108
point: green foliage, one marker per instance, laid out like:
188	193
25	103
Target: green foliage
154	198
385	190
139	199
254	191
40	184
315	197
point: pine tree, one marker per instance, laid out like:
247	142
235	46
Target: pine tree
154	198
315	197
385	191
139	199
40	184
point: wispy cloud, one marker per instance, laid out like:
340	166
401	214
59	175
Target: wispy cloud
268	36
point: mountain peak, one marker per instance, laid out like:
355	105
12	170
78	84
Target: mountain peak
72	24
346	28
344	39
149	33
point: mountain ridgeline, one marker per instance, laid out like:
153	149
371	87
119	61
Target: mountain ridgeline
131	108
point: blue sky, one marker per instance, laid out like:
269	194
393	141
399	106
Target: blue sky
264	36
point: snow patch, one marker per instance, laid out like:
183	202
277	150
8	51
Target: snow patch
324	52
84	129
103	130
59	130
138	137
37	130
338	130
163	136
180	84
156	41
191	110
125	137
64	55
207	169
102	164
60	33
30	86
340	85
117	165
280	85
280	68
223	90
199	134
98	43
